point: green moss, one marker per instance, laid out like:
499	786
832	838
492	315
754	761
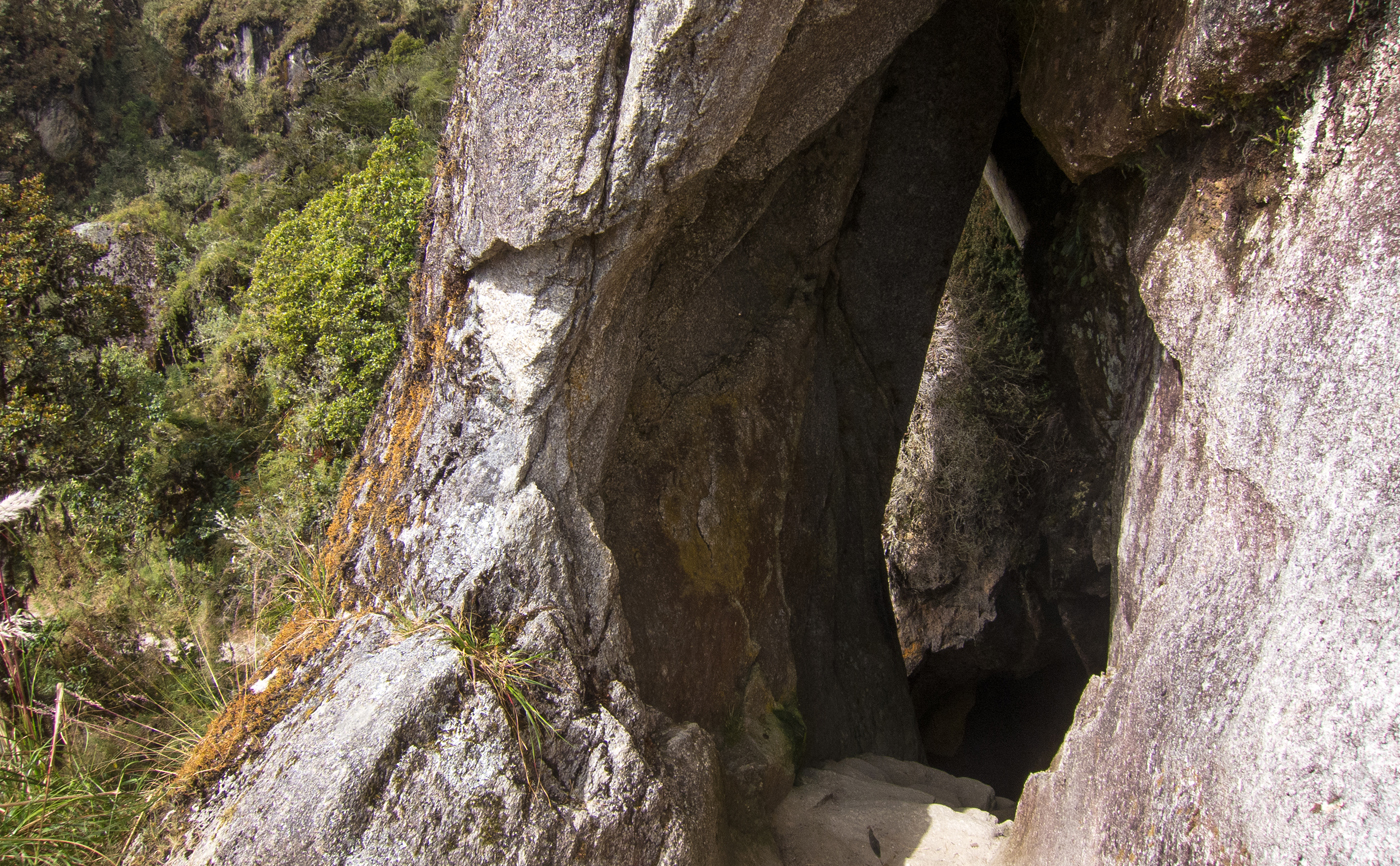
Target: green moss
794	728
999	396
987	295
486	811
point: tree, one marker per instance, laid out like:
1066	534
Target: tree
331	289
67	401
47	49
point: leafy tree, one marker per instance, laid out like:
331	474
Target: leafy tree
69	400
331	289
46	51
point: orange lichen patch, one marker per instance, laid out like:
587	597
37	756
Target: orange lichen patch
382	475
373	508
1215	200
912	651
236	734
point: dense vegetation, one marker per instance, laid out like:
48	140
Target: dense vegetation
969	466
186	403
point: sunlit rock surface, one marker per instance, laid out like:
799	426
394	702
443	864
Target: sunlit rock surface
872	810
665	341
682	263
1249	708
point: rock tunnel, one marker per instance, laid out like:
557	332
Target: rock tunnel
748	496
729	391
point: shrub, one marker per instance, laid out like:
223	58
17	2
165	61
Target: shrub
331	288
70	401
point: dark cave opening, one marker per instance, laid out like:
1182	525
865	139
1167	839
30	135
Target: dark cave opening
1016	725
997	707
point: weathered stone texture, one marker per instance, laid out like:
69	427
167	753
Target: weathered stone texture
521	175
1003	518
1101	79
682	265
1249	709
136	260
647	418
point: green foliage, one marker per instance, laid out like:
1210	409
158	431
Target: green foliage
69	399
272	554
403	47
1284	134
87	732
1004	383
44	43
189	473
46	47
338	29
72	814
331	287
184	476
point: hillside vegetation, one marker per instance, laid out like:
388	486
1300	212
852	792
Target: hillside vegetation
184	407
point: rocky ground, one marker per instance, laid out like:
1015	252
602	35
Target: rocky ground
873	809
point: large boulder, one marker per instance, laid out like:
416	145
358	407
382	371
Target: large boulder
136	260
682	264
1101	79
682	267
1248	710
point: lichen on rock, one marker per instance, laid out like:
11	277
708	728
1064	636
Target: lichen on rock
682	265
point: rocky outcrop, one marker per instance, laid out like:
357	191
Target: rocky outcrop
136	260
1003	517
1247	711
665	342
872	809
681	274
1101	80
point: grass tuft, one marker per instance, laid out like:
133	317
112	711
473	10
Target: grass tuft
488	651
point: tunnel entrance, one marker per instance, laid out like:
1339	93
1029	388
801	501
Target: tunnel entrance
1015	726
1001	525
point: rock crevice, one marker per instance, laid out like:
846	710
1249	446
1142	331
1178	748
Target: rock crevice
684	263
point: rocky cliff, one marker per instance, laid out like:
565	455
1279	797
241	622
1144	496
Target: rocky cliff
683	265
1247	711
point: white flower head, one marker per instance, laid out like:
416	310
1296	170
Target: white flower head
12	507
20	626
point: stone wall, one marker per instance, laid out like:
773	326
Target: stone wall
682	266
1247	712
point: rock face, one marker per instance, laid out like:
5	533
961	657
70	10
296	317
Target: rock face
681	273
681	270
1102	79
1248	711
134	259
1003	517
